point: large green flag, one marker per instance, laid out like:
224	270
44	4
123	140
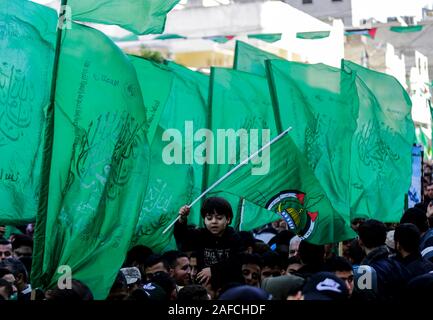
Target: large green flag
251	59
138	16
382	146
291	189
27	40
156	82
319	102
242	121
99	165
175	178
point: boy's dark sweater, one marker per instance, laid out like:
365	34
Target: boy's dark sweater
221	254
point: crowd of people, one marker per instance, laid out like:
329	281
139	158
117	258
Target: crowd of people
385	262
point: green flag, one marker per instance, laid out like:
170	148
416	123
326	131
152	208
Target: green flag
128	37
169	37
319	102
175	178
407	29
291	189
99	165
423	139
27	41
381	153
138	16
156	82
251	59
313	35
267	37
242	122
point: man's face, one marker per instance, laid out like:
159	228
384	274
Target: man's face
11	279
152	270
429	191
347	277
293	267
216	223
2	231
270	272
251	273
294	248
24	251
193	265
182	272
5	251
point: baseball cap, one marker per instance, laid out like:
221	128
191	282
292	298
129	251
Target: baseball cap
131	274
325	286
154	292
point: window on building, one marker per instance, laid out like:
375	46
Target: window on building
307	1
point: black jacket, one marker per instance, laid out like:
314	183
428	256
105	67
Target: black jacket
221	254
415	265
389	277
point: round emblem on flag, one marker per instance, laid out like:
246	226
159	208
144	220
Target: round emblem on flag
290	204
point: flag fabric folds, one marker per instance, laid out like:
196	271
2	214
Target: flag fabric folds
137	16
319	102
382	145
27	44
99	166
175	178
291	189
240	128
251	59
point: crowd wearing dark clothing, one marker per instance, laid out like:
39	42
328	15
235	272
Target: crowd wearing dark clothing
384	263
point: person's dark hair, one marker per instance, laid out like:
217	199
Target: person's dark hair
4	271
271	259
78	292
216	204
172	256
372	233
293	260
282	238
355	252
254	258
4	242
154	259
22	240
165	282
16	267
337	263
27	261
247	239
8	287
194	292
417	217
311	254
137	255
408	237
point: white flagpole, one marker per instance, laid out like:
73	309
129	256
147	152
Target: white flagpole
231	172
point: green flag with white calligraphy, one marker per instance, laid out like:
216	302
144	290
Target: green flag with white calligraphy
99	166
27	43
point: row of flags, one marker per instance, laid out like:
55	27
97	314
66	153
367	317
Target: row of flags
274	37
88	165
